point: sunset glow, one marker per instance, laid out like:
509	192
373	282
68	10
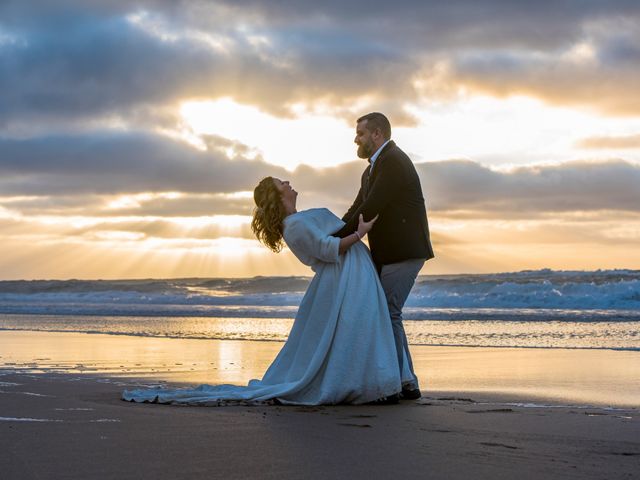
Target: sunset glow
320	141
141	162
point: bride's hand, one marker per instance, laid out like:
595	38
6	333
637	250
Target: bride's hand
365	227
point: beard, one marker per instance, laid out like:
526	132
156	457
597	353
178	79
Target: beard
365	150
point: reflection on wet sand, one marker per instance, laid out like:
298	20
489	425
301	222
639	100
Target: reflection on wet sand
596	377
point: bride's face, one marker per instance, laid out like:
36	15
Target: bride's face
288	193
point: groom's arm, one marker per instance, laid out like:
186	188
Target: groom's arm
355	206
387	185
343	232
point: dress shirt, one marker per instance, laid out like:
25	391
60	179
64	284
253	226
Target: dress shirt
374	157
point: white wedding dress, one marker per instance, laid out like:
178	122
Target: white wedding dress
340	348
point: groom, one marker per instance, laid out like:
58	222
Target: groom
399	240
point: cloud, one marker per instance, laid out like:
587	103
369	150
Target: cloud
163	229
85	61
596	70
90	94
189	206
571	186
613	142
144	204
142	198
124	163
74	60
151	175
432	24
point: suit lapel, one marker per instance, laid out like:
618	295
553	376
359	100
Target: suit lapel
369	173
364	183
380	159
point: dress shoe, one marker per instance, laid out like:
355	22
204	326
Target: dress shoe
410	394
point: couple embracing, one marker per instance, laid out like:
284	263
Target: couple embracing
347	343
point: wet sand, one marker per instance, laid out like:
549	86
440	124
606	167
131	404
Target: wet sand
486	413
584	377
74	426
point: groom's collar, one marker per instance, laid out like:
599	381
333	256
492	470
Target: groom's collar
375	156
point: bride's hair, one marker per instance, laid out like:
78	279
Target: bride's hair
268	214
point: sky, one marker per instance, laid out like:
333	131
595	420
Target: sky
133	133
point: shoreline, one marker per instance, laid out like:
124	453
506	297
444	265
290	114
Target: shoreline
596	378
512	333
274	340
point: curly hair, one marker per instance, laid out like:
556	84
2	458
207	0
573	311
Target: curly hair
268	214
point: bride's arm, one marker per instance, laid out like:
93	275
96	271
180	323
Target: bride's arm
355	237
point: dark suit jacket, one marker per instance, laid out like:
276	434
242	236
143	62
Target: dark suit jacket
392	190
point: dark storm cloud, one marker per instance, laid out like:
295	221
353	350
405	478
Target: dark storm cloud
433	24
573	186
453	185
589	84
69	172
82	62
85	65
124	163
75	59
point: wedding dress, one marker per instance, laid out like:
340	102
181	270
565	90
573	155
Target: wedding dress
340	348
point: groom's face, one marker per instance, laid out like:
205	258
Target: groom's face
364	140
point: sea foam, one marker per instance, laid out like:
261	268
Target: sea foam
603	290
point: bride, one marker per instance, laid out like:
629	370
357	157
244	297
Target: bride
341	347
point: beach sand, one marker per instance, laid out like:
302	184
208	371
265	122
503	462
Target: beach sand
61	415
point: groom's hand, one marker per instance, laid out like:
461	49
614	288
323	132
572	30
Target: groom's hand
365	227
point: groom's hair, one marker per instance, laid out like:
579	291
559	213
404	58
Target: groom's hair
377	120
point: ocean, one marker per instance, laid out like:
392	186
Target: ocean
538	309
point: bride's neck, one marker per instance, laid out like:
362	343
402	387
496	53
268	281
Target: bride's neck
289	208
